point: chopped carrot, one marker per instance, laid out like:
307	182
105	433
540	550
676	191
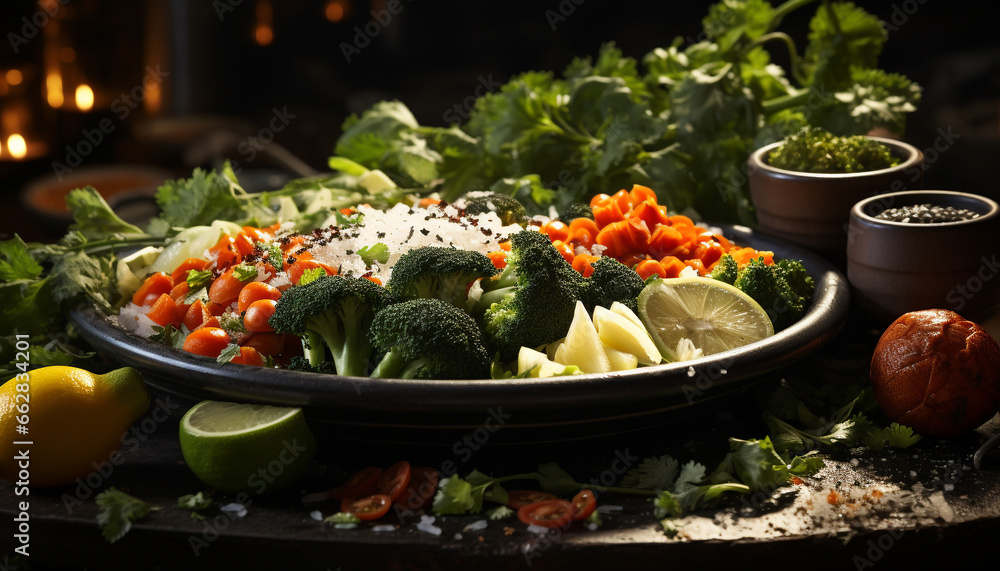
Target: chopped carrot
556	230
152	288
583	264
181	272
499	259
648	268
165	311
426	202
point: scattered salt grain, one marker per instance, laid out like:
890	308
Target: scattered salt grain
913	473
477	525
237	509
691	372
316	515
458	537
426	524
538	529
949	487
592	526
384	527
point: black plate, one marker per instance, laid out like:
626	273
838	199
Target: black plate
515	410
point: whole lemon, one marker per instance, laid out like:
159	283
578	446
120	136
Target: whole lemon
70	419
937	372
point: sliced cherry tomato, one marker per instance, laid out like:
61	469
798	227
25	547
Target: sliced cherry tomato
180	290
224	253
296	270
423	485
256	316
257	234
360	484
547	513
584	504
394	480
181	273
152	288
254	291
166	311
243	244
199	316
517	499
370	507
207	341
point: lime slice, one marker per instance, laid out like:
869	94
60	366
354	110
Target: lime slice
713	315
247	448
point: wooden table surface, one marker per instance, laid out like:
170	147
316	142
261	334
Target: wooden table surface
917	506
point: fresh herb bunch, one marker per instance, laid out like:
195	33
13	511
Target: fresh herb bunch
683	121
814	150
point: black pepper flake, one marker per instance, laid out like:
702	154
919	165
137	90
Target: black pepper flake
349	252
380	234
487	231
410	235
425	231
439	238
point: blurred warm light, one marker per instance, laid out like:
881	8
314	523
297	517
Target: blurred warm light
16	146
84	97
336	10
264	29
14	76
67	55
54	89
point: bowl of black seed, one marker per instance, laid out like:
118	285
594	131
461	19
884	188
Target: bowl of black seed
925	249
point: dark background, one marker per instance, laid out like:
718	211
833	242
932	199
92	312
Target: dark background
433	56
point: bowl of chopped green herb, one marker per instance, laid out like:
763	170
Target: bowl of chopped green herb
803	187
930	249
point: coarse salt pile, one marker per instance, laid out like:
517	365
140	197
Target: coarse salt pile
401	229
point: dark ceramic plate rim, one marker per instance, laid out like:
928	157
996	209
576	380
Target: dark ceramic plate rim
565	401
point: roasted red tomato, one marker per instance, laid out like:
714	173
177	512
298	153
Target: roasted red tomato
584	504
423	485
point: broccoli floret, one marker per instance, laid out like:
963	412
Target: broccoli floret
576	210
613	281
428	339
507	207
332	313
532	301
725	269
798	278
437	272
300	363
769	286
814	150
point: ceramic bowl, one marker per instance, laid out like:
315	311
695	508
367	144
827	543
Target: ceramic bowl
896	267
812	209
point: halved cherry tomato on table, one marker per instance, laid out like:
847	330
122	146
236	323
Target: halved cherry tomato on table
517	499
369	507
394	480
547	513
423	485
584	504
360	484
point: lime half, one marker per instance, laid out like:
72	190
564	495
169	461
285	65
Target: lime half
247	448
712	315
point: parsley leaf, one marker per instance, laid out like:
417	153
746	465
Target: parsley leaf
197	279
311	275
92	216
228	354
376	253
116	512
197	503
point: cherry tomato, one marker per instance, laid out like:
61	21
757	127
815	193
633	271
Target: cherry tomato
394	480
267	344
370	507
207	341
226	288
547	513
224	252
256	316
249	356
254	291
423	485
152	288
584	504
517	499
360	484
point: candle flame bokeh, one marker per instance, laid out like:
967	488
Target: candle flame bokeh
16	146
84	97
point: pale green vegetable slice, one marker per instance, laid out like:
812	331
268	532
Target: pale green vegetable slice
714	315
621	334
582	346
